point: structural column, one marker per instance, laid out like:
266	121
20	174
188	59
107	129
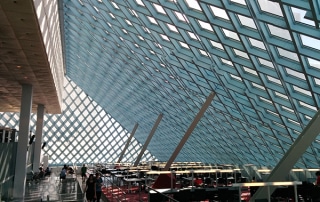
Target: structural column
128	142
290	158
189	131
22	152
38	142
148	139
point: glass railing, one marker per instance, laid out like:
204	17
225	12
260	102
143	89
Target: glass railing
114	192
165	197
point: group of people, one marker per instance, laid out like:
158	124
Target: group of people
93	188
42	173
65	170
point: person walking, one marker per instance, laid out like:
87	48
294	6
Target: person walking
84	172
99	183
90	189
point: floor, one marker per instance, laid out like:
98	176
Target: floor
52	189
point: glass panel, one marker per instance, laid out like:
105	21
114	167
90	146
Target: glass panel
279	32
270	7
219	12
247	21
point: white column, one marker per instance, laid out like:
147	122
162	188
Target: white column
38	142
190	130
128	142
299	146
21	159
145	146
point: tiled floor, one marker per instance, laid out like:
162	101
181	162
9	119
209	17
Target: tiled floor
51	189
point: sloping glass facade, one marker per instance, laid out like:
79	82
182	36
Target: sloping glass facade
138	59
83	133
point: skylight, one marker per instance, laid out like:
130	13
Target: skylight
193	4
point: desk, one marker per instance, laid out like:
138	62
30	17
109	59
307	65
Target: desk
119	178
131	180
71	177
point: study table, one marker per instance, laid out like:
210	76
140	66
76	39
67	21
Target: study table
129	182
268	185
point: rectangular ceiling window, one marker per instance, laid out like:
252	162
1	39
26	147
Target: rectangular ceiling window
313	108
265	100
266	62
216	44
139	2
128	22
251	71
281	95
314	63
299	14
288	54
172	28
152	20
310	42
243	2
227	62
159	9
193	4
279	32
247	21
205	25
165	37
114	5
203	52
193	36
236	77
184	45
218	12
241	53
258	86
300	90
181	17
231	34
256	43
270	7
274	80
295	73
287	109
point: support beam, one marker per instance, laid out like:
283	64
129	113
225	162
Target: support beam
291	157
38	142
189	131
19	183
128	142
148	140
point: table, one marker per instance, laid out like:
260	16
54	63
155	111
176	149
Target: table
71	177
131	180
119	178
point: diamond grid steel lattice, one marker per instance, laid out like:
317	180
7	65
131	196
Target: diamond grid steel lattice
138	59
83	133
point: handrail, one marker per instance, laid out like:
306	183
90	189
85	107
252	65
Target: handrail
112	185
168	197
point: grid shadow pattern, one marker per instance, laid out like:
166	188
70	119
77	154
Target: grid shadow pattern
83	133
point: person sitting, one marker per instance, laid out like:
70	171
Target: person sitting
47	172
70	170
41	173
317	182
198	182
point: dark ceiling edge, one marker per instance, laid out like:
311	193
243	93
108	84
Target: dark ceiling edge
61	20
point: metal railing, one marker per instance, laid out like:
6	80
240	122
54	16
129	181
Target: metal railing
167	198
114	189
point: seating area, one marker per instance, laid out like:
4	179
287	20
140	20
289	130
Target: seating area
145	186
